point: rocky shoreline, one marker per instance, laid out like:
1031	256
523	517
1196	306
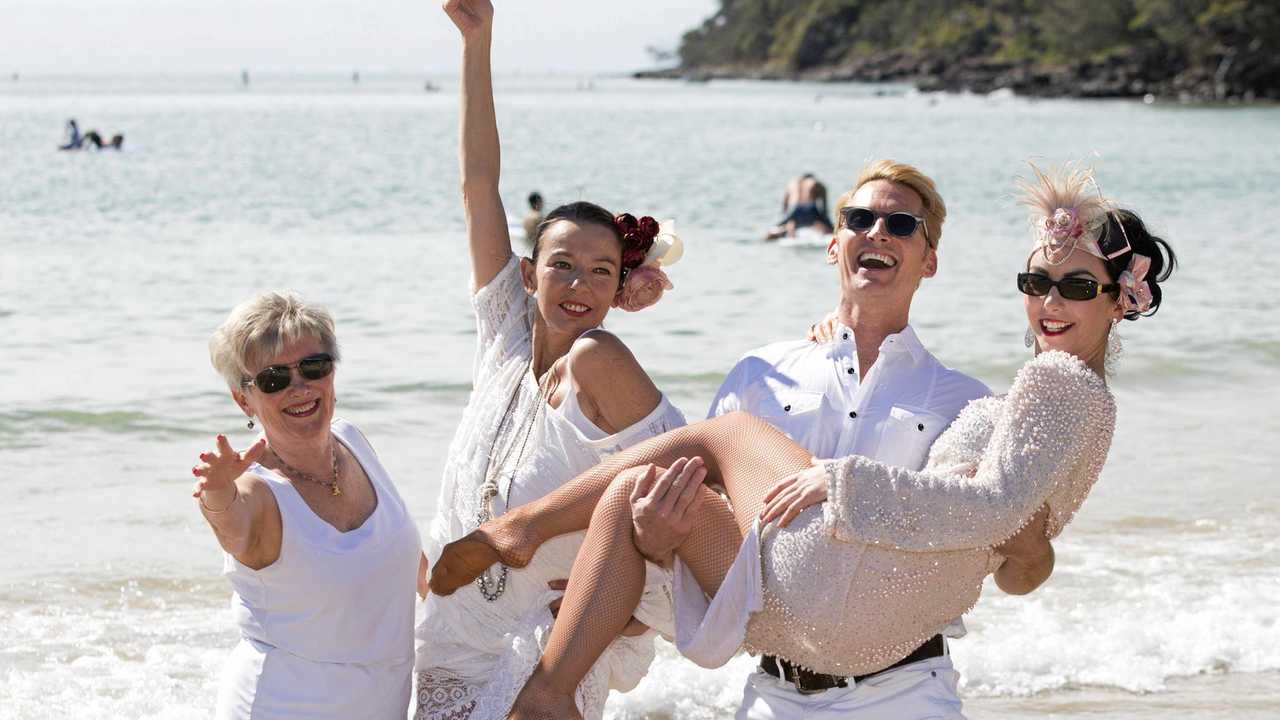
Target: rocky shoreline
1117	77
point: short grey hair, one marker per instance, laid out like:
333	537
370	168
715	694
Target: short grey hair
259	328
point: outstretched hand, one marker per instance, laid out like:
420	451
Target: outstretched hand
471	16
794	493
218	470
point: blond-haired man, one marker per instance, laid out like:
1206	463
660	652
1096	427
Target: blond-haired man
872	390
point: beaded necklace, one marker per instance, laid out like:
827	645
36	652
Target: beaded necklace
490	588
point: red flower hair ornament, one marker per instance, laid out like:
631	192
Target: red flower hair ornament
647	246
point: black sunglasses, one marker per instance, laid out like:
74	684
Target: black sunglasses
1070	288
274	378
900	224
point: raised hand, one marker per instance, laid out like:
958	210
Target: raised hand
471	16
218	470
795	493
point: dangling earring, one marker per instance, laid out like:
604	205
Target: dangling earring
250	423
1029	338
1115	348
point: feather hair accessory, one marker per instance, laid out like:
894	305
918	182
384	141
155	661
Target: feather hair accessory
1068	212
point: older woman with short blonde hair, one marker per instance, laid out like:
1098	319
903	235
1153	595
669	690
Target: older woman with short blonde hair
319	548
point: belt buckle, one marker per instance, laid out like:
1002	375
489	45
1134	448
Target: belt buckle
797	681
800	688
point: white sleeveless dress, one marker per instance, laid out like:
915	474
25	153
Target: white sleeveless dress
327	629
473	655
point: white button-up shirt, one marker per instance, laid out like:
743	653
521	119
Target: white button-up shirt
812	392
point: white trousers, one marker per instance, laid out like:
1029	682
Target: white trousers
924	690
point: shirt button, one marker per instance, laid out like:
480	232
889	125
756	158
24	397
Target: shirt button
845	336
920	427
850	371
853	414
786	408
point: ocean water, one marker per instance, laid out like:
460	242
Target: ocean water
115	267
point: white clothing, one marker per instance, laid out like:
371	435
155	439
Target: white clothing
325	629
812	393
701	623
924	690
474	656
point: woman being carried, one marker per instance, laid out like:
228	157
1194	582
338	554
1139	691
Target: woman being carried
904	552
554	395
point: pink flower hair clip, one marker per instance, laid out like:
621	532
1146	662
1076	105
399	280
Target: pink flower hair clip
1135	291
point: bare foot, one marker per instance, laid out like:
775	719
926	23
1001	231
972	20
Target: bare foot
463	560
539	702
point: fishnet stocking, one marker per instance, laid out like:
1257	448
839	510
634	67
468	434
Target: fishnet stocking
744	454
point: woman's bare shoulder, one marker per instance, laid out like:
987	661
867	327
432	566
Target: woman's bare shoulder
605	369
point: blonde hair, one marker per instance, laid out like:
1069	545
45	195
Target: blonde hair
259	328
935	210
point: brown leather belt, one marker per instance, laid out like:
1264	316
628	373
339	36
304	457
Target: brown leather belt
808	683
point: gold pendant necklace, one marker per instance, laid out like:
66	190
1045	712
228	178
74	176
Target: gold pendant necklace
334	490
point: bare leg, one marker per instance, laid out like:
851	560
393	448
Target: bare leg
741	452
608	574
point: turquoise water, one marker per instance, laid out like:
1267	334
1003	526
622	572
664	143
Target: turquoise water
114	268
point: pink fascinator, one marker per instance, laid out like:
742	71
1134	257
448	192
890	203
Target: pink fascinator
1068	213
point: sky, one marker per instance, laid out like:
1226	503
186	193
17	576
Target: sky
312	36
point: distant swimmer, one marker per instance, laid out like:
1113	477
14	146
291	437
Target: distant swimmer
116	142
533	218
76	141
244	77
803	205
74	138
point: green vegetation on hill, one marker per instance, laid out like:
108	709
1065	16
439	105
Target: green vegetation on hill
1201	49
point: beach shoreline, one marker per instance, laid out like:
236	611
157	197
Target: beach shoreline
118	266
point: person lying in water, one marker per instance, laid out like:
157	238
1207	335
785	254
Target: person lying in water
804	204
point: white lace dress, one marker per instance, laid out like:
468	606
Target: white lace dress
474	656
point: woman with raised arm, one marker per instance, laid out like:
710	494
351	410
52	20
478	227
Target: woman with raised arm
879	558
319	548
553	396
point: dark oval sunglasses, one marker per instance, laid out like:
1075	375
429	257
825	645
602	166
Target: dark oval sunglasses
1071	288
899	224
274	378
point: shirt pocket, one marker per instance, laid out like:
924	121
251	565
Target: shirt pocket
906	436
792	411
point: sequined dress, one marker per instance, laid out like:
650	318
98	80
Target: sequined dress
474	656
856	583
